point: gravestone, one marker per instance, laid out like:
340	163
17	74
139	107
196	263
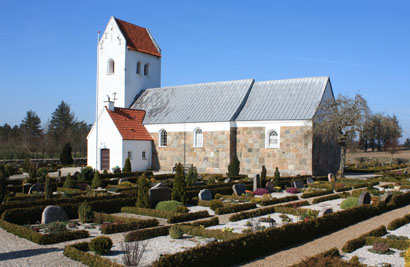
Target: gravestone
122	180
298	184
26	187
270	187
205	194
36	188
227	180
239	189
157	193
331	177
310	180
386	197
256	182
325	211
364	199
53	214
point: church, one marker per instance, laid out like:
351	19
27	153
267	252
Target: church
262	122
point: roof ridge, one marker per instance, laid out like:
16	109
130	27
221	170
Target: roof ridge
130	23
199	84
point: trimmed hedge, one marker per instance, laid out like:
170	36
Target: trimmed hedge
397	244
122	224
42	239
267	202
343	189
316	193
200	231
172	217
164	230
325	198
316	259
359	242
397	223
225	190
250	214
79	252
231	208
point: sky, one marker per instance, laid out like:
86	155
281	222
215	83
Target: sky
48	48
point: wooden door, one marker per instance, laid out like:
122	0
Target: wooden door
105	159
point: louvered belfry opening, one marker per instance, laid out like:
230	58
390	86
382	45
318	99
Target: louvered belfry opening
105	159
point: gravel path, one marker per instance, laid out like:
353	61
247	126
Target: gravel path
337	239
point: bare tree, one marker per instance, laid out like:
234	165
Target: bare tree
133	252
340	118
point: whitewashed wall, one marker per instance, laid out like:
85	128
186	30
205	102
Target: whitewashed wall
108	137
136	147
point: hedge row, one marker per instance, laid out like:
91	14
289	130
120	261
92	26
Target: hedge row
235	197
79	252
217	185
257	244
316	193
144	234
317	260
172	217
201	231
397	244
225	190
272	201
42	239
250	214
231	208
121	224
359	242
397	223
295	211
296	204
343	189
325	198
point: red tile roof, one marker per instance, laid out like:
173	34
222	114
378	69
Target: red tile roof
129	123
138	38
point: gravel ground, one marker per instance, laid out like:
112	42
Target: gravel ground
199	208
404	231
374	259
333	204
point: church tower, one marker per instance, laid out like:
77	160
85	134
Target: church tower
129	61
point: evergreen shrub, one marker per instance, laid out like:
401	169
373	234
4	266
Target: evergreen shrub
101	245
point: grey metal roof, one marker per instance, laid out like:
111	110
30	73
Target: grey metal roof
205	102
292	99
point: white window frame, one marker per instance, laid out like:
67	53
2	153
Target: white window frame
160	138
109	70
268	144
198	142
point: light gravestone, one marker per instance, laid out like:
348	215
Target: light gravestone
122	180
256	182
158	193
386	197
270	187
298	184
331	177
227	180
53	214
36	188
239	189
364	199
325	211
205	194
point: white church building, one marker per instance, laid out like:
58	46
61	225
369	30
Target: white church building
264	123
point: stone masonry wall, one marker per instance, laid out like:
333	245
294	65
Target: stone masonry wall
213	157
293	157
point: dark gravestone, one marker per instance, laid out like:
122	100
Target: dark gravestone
26	187
122	180
53	214
205	194
256	182
310	180
298	184
325	211
158	193
270	187
386	197
227	180
36	188
239	189
364	198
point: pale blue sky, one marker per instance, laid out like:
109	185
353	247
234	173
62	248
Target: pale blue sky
48	48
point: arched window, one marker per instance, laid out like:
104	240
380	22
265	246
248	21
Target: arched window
273	139
198	138
162	138
138	67
111	66
146	69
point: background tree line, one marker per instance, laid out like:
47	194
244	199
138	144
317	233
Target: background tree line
31	139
